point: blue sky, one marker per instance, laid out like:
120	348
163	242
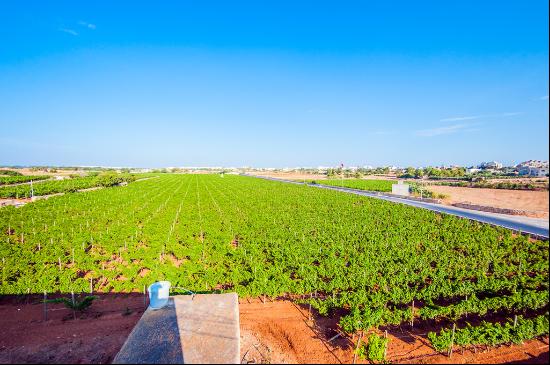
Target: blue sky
286	84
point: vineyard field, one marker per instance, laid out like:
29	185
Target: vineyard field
380	263
7	180
361	184
57	186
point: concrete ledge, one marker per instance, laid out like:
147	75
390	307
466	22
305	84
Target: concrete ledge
155	339
203	329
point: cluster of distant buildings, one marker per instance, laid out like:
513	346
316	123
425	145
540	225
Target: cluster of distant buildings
531	168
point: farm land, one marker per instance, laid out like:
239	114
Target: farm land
532	202
368	266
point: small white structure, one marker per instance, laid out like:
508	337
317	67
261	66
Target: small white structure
401	189
159	292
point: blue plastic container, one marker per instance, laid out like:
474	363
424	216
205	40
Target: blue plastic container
159	292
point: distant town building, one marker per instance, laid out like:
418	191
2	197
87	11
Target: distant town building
533	168
492	165
539	171
533	163
509	170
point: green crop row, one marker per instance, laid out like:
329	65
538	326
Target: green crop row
63	186
361	184
367	314
491	334
6	180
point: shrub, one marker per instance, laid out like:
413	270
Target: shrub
108	179
10	173
374	350
77	305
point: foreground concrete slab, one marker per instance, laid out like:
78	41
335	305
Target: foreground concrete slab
155	339
200	329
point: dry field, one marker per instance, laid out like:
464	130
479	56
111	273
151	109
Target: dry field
530	201
28	171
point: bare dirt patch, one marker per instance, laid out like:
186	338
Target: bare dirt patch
174	260
535	203
280	332
16	202
94	337
143	272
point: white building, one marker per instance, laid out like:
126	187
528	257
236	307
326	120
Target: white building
490	165
534	168
533	171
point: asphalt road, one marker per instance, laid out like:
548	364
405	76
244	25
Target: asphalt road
533	226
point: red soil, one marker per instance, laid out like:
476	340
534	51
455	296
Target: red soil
94	337
277	331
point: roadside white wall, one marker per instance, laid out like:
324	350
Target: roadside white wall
400	189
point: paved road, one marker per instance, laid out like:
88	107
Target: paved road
534	226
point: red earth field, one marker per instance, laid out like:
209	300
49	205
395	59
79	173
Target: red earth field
271	332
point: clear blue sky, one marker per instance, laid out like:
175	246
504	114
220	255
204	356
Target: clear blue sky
238	83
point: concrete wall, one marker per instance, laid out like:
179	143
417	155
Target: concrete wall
400	189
